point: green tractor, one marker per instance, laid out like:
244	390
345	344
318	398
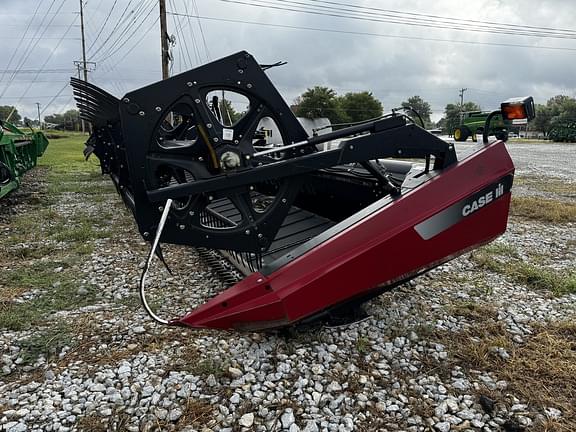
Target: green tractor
19	152
473	125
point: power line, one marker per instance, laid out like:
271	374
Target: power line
295	6
447	19
417	38
114	49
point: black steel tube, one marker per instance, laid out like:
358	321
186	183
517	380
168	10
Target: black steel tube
487	125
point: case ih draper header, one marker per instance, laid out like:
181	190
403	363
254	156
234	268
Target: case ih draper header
315	229
19	152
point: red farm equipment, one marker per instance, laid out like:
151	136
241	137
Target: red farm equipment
316	225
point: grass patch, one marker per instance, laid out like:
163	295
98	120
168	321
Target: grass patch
473	311
542	371
506	261
59	292
549	184
47	343
543	210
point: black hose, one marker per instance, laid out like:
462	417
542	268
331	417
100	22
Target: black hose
486	130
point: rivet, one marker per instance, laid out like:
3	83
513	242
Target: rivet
160	208
283	200
210	198
189	84
126	100
158	109
182	227
249	86
351	147
197	101
141	113
216	139
247	232
247	157
191	213
209	125
240	71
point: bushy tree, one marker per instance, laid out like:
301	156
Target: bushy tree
320	102
360	106
5	111
557	109
349	108
421	107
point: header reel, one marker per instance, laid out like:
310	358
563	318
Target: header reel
313	222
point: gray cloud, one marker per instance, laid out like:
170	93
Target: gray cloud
393	68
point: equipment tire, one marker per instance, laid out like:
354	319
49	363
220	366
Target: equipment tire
502	135
461	134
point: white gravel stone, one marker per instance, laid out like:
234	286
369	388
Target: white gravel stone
247	420
442	426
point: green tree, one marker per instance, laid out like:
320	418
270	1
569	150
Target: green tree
360	106
421	107
557	109
320	102
452	114
5	111
70	120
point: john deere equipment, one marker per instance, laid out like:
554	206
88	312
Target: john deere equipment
473	125
19	152
314	225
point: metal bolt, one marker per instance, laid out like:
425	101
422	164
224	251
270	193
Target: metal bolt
161	208
249	86
251	187
399	152
351	147
182	227
260	236
195	83
126	100
141	113
247	157
200	159
191	213
146	234
247	232
240	71
260	280
210	198
239	82
216	139
283	200
197	101
209	125
189	84
158	109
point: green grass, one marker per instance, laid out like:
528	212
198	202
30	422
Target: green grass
544	210
505	260
43	238
47	343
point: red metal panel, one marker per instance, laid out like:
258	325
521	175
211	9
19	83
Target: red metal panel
380	249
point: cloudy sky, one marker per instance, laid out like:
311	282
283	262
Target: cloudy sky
395	49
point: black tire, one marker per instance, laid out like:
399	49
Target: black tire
502	135
461	133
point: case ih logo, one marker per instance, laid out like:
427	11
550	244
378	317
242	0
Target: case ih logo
483	200
455	213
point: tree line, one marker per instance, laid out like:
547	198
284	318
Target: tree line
348	108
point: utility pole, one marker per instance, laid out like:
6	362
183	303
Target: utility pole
39	122
83	51
462	90
164	40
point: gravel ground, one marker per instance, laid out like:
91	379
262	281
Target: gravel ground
400	369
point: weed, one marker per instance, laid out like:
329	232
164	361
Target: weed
544	210
47	343
363	345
